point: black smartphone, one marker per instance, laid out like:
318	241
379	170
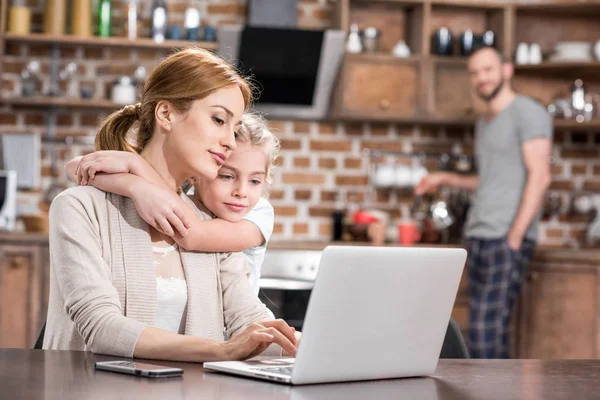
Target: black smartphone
138	369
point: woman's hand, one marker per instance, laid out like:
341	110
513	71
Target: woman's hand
106	161
257	337
160	208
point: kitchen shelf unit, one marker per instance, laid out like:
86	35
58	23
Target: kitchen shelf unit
438	87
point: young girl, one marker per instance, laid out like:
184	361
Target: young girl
244	218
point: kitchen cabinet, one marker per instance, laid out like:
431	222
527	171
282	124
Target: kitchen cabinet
377	87
24	267
559	317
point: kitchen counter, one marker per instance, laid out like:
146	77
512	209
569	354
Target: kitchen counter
589	257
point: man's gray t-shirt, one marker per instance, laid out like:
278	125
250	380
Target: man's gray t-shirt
501	168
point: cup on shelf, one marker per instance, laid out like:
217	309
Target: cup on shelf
385	175
535	54
401	50
371	39
522	54
408	232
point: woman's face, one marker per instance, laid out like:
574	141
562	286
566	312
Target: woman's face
201	140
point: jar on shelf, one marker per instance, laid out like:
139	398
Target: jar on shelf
55	17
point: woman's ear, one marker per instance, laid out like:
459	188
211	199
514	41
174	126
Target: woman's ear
162	114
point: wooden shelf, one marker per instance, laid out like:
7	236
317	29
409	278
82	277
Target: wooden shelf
588	69
450	60
69	40
589	9
562	124
416	120
468	4
60	102
382	57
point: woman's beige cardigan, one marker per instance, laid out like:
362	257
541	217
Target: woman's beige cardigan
103	284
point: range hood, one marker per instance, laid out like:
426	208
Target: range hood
295	70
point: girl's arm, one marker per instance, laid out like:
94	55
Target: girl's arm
129	175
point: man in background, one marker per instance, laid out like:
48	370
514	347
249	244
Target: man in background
513	140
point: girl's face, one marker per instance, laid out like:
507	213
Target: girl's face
239	184
200	141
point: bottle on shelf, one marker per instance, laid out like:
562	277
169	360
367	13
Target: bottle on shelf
104	18
19	18
337	219
132	19
55	17
81	19
159	20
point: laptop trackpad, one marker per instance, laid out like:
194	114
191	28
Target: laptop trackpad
276	361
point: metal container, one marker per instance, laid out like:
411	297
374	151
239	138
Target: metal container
371	39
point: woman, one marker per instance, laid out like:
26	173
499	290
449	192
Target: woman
106	262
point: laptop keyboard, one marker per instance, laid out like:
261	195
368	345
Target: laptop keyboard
276	370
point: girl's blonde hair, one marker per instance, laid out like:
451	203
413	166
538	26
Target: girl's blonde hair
181	78
254	130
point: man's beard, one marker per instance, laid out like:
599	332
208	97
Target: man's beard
494	93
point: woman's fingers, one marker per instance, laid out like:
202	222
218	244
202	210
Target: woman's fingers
282	340
282	327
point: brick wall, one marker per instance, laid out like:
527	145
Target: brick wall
318	158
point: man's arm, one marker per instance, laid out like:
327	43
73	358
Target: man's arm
432	182
536	155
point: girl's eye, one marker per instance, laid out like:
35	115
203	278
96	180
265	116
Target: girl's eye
255	182
225	177
218	121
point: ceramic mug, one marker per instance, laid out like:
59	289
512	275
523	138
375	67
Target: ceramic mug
408	233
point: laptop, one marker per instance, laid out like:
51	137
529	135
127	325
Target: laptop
374	313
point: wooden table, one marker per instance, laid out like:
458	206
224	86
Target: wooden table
37	374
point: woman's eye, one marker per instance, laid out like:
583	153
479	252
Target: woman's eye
225	177
218	121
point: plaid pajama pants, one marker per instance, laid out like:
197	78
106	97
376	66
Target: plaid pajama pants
495	275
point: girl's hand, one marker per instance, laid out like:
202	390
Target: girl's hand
160	208
106	161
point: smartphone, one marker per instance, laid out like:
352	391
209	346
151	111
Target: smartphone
139	369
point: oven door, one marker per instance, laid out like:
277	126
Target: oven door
287	278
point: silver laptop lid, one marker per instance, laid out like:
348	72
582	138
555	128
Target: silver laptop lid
378	313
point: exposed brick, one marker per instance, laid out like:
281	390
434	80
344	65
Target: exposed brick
303	194
353	128
405	131
555	233
327	195
279	161
321	145
276	194
8	85
147	55
93	53
300	228
596	169
379	129
353	163
35	118
13	49
322	14
285	211
13	67
302	162
327	128
320	211
579	169
290	144
389	146
351	180
327	163
578	234
89	120
120	54
236	9
301	127
277	126
64	119
382	196
562	185
8	118
278	228
557	169
579	153
325	229
303	178
438	147
117	69
458	133
592	186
